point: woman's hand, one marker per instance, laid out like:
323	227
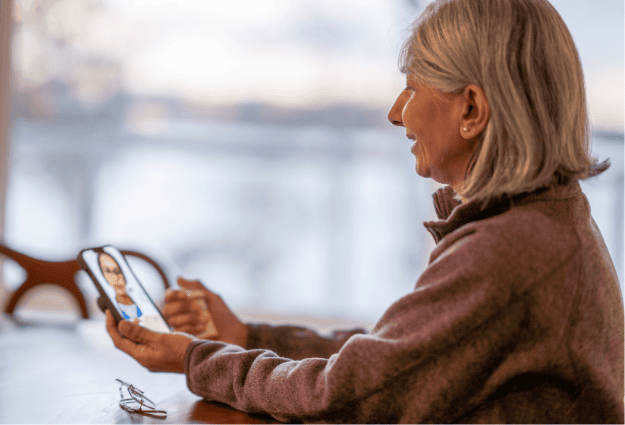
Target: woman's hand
186	310
158	352
196	310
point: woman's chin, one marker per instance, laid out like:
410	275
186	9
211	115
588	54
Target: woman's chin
421	170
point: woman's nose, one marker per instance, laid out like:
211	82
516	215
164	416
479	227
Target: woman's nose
394	115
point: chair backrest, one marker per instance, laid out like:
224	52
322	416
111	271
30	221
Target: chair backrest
60	273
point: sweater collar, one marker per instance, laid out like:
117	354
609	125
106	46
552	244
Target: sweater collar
453	214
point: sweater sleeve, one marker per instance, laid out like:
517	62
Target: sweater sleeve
435	354
295	342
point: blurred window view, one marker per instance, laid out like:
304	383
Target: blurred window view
245	143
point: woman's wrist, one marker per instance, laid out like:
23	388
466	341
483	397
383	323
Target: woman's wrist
241	336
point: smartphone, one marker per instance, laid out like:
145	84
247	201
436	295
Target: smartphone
120	291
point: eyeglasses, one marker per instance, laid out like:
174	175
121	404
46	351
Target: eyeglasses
111	270
138	402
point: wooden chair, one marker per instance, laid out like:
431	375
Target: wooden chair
60	273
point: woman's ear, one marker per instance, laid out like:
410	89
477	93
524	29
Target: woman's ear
476	112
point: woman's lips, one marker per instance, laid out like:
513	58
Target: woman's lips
414	145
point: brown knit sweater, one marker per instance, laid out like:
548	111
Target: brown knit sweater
517	318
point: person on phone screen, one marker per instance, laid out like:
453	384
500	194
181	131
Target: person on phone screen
114	276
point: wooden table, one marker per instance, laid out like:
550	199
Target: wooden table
64	372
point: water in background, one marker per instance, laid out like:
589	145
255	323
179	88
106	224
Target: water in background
305	220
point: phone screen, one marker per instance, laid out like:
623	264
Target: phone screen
120	290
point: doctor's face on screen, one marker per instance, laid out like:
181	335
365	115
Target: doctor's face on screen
113	275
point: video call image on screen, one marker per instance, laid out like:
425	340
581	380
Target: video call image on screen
118	281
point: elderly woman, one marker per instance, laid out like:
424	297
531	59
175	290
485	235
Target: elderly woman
518	316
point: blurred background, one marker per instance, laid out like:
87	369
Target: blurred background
245	143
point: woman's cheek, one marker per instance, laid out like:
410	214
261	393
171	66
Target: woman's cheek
421	160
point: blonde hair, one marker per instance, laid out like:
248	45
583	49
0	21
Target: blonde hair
522	55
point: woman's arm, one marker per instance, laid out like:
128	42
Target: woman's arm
295	342
471	325
184	313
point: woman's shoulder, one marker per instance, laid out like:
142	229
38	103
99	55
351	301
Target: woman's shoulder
540	216
526	239
546	220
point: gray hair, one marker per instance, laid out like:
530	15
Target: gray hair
522	55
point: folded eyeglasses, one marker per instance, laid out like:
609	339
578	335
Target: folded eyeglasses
138	401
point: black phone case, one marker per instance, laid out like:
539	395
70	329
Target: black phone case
104	302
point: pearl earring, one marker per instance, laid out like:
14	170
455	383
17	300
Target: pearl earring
465	129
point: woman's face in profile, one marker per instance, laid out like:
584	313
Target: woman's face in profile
432	119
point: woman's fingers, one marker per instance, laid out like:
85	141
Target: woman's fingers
185	319
158	352
119	341
193	288
136	332
176	307
182	295
196	329
173	295
111	327
188	309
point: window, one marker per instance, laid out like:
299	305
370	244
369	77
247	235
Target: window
245	143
